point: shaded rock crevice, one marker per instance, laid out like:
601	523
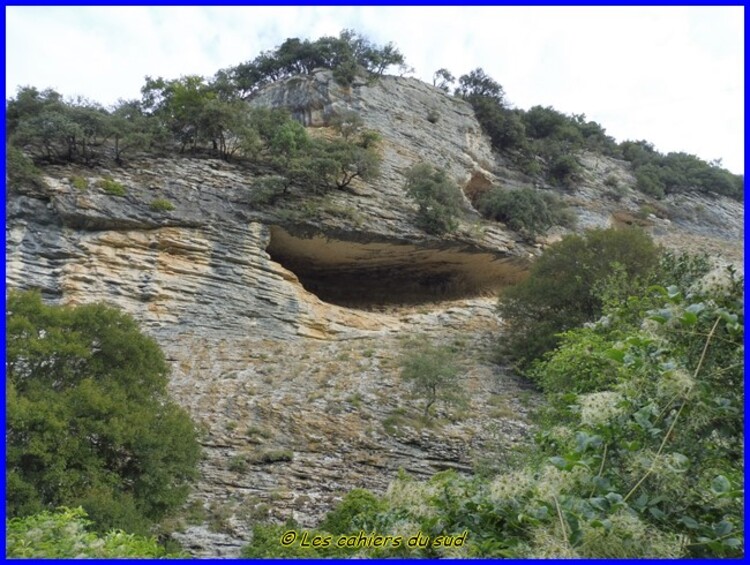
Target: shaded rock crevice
376	273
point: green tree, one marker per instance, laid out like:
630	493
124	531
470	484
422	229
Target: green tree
477	84
131	129
432	374
563	289
29	102
438	198
89	421
178	105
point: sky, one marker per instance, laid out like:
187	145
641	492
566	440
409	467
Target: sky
671	75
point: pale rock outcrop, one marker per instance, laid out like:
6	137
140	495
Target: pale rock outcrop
264	365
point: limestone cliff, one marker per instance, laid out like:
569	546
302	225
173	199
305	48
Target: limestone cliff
282	322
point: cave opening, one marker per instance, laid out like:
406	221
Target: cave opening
374	275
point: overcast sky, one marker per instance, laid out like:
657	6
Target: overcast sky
673	75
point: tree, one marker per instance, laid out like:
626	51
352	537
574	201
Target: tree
89	421
349	55
178	104
431	371
442	79
477	84
438	198
130	128
563	287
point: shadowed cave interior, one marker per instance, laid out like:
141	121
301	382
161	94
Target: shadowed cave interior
375	274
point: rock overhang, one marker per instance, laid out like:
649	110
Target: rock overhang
379	272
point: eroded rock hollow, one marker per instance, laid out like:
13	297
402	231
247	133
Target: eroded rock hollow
374	274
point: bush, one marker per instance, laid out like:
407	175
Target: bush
21	170
438	198
357	511
648	181
525	210
503	126
563	287
89	422
79	183
111	186
272	456
64	534
238	464
161	205
579	364
564	169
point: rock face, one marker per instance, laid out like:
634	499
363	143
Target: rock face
284	324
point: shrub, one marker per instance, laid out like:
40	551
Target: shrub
161	205
563	287
579	364
272	456
438	198
648	181
267	190
238	464
89	421
525	210
79	183
564	169
503	126
357	511
21	170
612	182
64	534
111	186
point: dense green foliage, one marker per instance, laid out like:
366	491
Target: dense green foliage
563	289
544	135
487	97
65	534
526	210
659	175
645	461
111	186
438	198
188	114
349	55
21	170
89	422
209	117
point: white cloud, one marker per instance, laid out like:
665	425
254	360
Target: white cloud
671	75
